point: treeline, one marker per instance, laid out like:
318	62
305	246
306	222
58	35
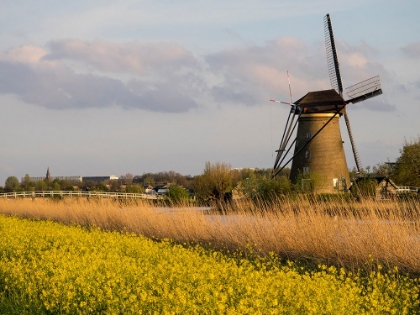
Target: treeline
219	182
12	184
153	179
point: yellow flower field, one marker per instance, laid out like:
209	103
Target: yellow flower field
49	268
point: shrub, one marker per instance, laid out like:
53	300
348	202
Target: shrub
178	194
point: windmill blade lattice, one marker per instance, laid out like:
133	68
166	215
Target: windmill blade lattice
364	90
336	83
332	59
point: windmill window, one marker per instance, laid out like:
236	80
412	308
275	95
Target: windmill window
307	154
308	135
305	170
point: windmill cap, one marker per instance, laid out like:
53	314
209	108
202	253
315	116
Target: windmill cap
321	98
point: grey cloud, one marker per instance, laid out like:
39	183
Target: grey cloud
251	75
221	94
164	100
170	96
412	50
276	54
134	57
254	74
61	88
357	63
167	78
234	67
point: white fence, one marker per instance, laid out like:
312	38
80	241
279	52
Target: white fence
86	194
407	189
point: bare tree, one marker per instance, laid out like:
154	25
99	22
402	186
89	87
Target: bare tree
214	183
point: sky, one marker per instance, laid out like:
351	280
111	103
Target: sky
114	87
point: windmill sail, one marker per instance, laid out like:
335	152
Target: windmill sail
332	59
285	141
353	146
363	90
335	79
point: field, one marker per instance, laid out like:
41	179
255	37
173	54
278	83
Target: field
290	257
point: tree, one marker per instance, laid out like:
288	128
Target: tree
126	179
214	183
382	169
41	185
113	185
66	185
202	188
135	189
177	194
239	175
55	185
102	186
27	184
149	180
264	187
11	184
407	167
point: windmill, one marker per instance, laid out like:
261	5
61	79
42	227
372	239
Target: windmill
318	161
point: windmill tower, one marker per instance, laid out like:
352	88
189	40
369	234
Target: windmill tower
318	161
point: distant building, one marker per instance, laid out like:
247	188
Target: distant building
98	179
163	191
72	179
149	190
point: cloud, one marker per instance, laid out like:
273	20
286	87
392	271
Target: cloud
164	98
412	50
251	75
357	63
46	79
24	54
134	57
168	100
62	88
165	77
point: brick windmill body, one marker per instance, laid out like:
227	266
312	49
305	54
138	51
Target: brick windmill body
318	161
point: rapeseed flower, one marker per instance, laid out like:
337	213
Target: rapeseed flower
47	268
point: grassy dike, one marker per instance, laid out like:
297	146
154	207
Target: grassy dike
50	268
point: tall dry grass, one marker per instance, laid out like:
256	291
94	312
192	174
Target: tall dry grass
349	234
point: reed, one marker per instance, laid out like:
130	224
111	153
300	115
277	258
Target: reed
350	234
